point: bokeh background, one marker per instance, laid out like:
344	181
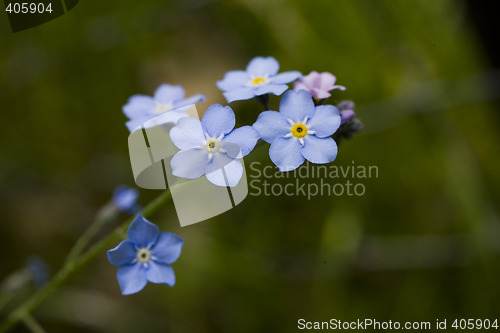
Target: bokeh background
422	244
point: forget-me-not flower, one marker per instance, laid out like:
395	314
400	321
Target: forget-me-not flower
260	77
125	199
39	270
145	256
211	146
299	131
141	108
317	84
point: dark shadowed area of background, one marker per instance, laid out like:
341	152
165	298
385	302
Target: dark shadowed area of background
422	243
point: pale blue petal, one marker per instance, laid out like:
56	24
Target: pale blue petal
275	89
233	173
285	153
138	106
239	94
167	248
152	121
286	77
219	160
142	232
123	254
318	150
218	120
261	66
131	278
325	122
190	163
167	93
187	133
169	117
231	149
233	80
190	100
125	197
160	273
244	137
136	124
271	125
297	105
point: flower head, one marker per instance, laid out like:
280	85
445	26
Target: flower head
350	124
346	109
211	146
141	108
260	77
299	131
145	256
317	84
125	199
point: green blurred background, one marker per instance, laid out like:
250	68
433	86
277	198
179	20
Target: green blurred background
422	244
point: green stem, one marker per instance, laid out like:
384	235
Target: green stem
102	217
71	267
33	325
5	297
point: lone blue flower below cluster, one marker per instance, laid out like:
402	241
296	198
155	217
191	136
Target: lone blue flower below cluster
260	77
145	256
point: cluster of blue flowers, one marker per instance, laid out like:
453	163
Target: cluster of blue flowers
303	129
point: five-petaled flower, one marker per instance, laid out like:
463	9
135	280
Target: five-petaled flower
211	147
317	84
141	108
299	131
145	256
261	77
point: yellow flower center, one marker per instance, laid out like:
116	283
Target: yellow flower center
299	130
162	108
257	81
212	145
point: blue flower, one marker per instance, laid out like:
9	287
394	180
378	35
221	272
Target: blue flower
299	131
145	256
210	145
125	199
261	77
141	108
39	270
